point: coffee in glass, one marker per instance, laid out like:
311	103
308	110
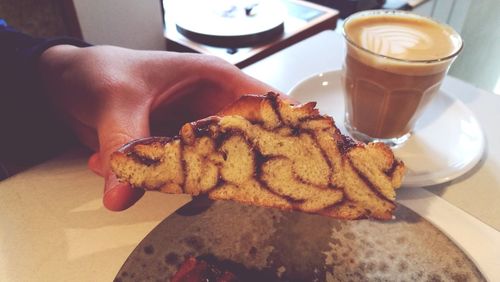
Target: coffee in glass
394	66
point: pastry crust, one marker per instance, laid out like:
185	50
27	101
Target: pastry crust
264	151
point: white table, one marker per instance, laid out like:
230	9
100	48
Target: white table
53	226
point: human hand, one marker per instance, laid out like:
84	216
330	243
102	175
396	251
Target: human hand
111	95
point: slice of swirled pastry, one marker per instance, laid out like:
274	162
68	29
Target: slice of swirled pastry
263	151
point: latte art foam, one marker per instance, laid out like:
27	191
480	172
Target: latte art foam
397	42
401	37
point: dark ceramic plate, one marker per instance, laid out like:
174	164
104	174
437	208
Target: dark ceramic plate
262	244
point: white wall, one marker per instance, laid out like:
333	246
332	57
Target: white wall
135	24
479	61
452	12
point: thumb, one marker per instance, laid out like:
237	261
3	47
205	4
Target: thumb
114	132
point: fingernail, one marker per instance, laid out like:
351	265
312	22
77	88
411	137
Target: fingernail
111	182
119	196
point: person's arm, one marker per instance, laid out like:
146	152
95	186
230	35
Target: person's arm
30	131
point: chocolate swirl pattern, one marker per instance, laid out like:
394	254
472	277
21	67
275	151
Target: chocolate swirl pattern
271	154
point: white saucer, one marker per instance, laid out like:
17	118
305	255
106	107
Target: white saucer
446	143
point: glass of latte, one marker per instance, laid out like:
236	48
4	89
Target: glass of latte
394	66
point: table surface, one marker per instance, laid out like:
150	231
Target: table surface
53	226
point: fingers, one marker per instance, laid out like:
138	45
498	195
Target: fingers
86	134
115	130
117	196
234	83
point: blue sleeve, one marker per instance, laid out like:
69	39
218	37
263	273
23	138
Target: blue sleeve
30	130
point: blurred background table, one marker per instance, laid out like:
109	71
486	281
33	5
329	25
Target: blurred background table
302	20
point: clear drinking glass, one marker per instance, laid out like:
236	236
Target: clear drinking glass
385	94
